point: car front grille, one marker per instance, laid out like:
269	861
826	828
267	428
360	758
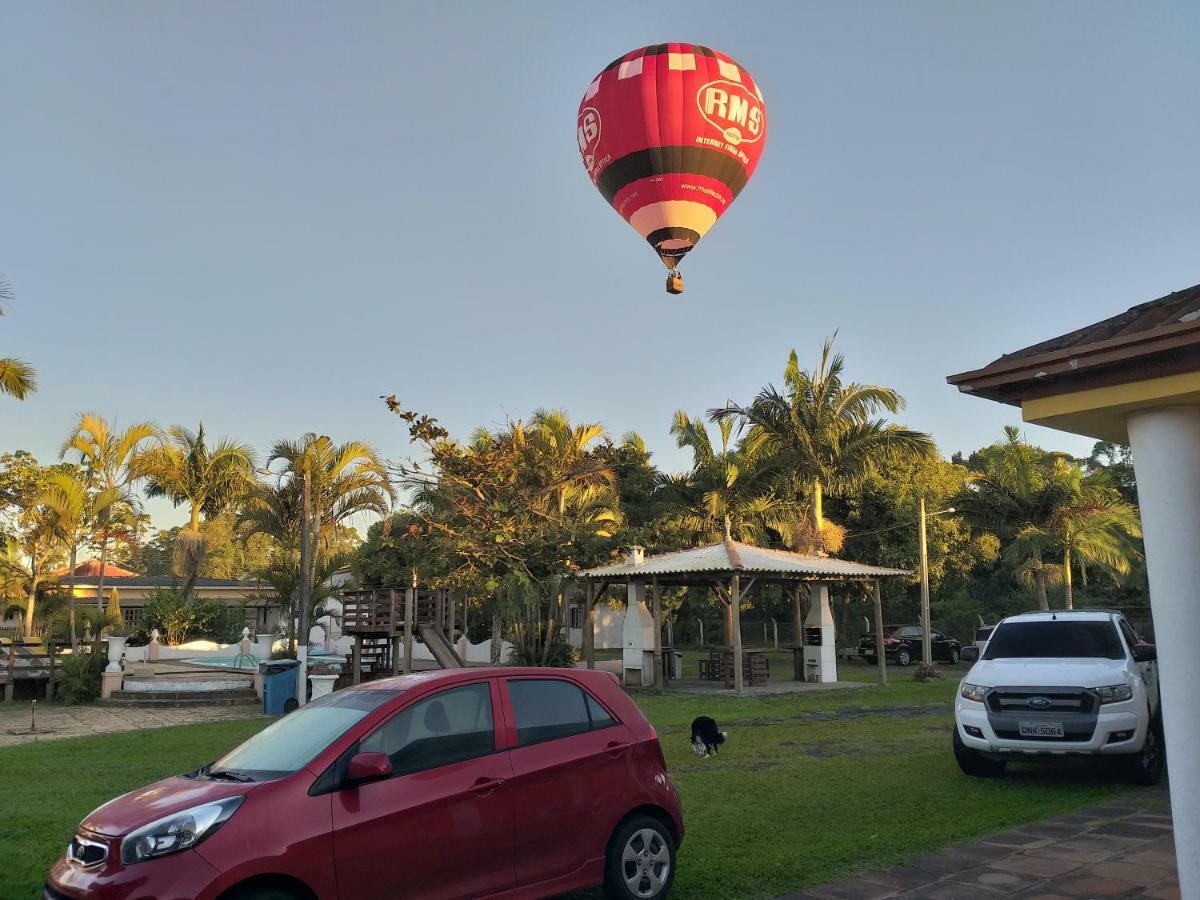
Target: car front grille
86	853
1059	702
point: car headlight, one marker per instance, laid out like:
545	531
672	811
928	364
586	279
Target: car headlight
1115	693
972	692
178	831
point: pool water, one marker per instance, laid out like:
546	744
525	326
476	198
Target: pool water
250	663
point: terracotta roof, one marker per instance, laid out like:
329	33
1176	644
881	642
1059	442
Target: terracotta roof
733	557
1157	338
90	568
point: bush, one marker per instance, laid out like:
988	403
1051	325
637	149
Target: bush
81	677
180	620
529	647
283	654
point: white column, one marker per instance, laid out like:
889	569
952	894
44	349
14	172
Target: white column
1166	459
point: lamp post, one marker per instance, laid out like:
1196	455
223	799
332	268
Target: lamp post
926	636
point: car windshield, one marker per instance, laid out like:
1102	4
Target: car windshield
1055	639
286	746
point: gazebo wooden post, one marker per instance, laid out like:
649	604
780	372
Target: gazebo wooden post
657	614
356	664
797	616
589	626
879	634
735	603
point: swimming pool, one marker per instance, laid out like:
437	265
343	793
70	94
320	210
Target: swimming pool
250	663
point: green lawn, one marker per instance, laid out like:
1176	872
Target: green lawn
809	788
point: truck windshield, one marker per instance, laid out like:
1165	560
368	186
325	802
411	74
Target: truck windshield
1061	639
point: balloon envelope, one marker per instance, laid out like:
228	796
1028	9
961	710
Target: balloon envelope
670	134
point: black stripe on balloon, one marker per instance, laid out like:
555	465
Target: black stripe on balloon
672	233
704	51
686	160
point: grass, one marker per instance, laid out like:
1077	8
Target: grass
809	787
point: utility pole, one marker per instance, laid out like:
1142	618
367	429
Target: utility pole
926	637
305	588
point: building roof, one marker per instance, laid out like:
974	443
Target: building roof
169	581
1162	336
90	568
735	558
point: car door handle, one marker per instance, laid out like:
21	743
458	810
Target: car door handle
484	786
615	748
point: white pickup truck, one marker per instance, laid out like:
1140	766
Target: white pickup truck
1051	684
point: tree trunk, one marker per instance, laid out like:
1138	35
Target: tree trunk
818	514
103	566
1067	579
1043	600
71	598
31	600
191	546
497	629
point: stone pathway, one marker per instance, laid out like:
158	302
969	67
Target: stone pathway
1124	850
56	721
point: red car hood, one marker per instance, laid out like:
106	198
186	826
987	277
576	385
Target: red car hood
140	807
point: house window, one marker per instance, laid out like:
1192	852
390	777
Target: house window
576	616
134	616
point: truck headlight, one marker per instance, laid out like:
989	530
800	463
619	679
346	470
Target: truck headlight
972	692
178	831
1115	693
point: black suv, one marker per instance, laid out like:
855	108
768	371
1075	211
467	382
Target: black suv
902	644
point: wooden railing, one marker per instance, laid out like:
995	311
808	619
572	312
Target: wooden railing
380	611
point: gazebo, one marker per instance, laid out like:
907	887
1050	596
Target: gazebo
731	570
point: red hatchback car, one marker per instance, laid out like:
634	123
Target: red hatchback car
462	783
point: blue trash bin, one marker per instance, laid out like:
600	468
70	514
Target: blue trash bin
279	686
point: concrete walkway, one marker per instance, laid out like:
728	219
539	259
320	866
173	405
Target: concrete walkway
56	721
1124	850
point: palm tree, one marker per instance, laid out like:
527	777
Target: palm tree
283	575
727	494
114	462
208	481
821	434
17	378
72	509
344	480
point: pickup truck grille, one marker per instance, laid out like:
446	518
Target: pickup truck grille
1075	708
1059	702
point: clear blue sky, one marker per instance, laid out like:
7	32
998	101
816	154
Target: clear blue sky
265	215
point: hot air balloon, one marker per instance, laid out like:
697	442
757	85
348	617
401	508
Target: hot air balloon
670	134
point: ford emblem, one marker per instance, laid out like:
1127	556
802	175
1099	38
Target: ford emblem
1038	702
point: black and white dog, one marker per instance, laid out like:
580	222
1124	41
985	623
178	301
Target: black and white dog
705	736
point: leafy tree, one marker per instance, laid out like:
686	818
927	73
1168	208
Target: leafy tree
17	378
824	435
29	547
186	471
113	461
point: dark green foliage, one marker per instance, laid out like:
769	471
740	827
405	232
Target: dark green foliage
179	620
530	647
81	677
284	653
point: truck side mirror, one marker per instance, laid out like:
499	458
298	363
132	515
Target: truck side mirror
1145	653
969	654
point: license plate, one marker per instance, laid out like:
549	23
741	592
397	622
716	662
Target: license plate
1041	729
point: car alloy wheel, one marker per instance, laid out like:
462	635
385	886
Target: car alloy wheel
903	656
645	863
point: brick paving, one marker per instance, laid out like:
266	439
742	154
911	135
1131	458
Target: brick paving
1125	850
56	721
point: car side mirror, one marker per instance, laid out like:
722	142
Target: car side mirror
1145	653
969	654
366	767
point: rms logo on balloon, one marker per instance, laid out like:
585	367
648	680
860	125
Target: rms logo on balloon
732	110
588	134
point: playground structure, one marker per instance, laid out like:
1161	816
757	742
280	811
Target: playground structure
379	619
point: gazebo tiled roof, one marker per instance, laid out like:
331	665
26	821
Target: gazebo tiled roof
735	558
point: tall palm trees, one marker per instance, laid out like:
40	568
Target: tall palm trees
17	378
208	481
727	494
824	435
71	511
113	460
1046	506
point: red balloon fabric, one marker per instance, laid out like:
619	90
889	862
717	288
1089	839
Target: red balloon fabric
670	134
